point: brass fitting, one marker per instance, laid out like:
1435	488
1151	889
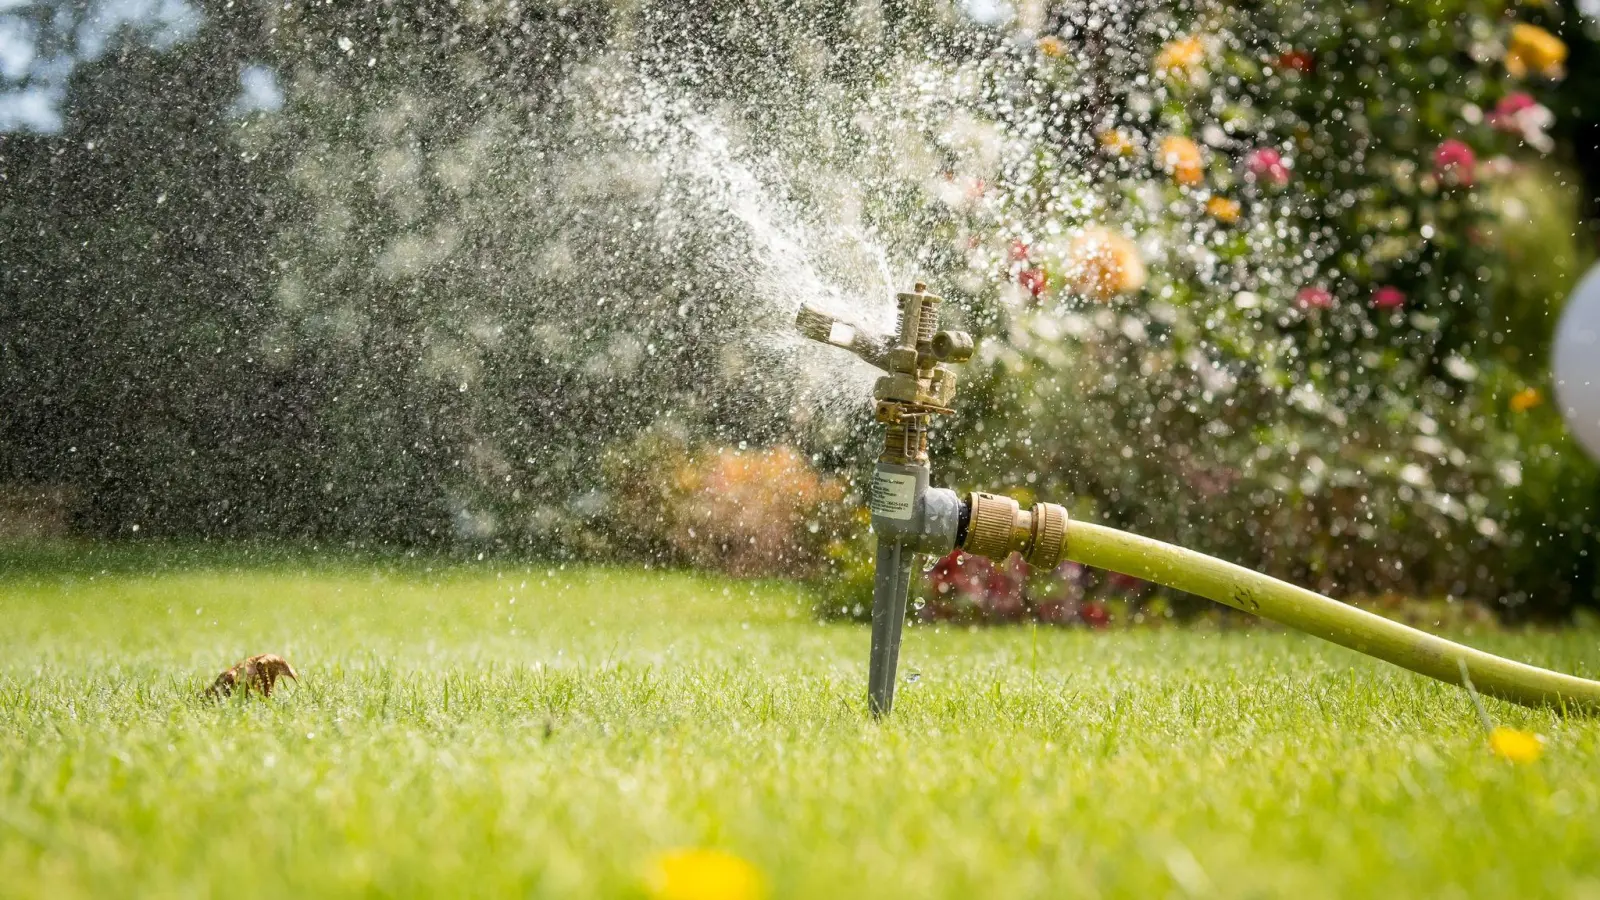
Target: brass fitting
998	526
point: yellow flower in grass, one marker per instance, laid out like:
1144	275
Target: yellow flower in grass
1181	157
1182	58
1526	399
1102	264
1117	143
1224	209
1052	46
1515	746
704	874
1531	49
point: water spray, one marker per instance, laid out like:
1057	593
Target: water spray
912	518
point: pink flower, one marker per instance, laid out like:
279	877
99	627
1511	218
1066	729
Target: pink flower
1018	251
1315	297
1388	297
1510	105
1521	115
1265	165
1455	161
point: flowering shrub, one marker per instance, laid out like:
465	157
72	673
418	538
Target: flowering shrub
965	588
763	512
1275	326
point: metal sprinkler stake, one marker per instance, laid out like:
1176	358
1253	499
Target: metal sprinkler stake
908	516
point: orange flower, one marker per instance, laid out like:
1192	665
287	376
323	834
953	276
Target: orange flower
1526	399
704	874
1532	49
1116	142
1052	46
1102	264
1181	157
1182	58
1224	209
1515	746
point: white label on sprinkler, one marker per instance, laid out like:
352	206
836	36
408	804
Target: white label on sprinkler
893	495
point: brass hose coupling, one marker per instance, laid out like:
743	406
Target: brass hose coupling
996	526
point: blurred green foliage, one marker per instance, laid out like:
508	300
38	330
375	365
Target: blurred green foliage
389	312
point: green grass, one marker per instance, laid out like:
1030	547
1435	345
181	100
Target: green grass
446	741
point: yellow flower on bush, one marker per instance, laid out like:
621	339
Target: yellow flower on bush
1531	49
1102	264
1052	46
1224	209
1117	143
1526	399
1182	58
704	874
1181	157
1515	746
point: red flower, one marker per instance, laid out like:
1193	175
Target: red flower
1018	251
1297	60
1034	280
1314	297
1094	614
959	574
1455	161
1265	166
1388	297
1002	596
1125	584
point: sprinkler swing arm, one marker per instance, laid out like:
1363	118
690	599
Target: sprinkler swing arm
911	518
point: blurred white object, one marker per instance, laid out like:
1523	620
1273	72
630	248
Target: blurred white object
1577	362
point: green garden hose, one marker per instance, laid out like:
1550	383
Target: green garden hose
1308	611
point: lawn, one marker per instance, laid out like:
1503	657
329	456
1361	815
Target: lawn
489	728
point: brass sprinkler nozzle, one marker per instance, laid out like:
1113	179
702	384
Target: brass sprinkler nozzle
916	384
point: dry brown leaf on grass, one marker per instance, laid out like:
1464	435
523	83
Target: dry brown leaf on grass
258	673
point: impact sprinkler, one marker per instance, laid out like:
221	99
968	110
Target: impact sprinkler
910	517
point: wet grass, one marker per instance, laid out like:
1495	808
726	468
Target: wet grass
449	741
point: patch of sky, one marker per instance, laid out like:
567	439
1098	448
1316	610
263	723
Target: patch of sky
31	109
988	12
37	59
17	47
162	23
259	91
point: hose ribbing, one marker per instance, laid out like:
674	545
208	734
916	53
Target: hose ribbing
1308	611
